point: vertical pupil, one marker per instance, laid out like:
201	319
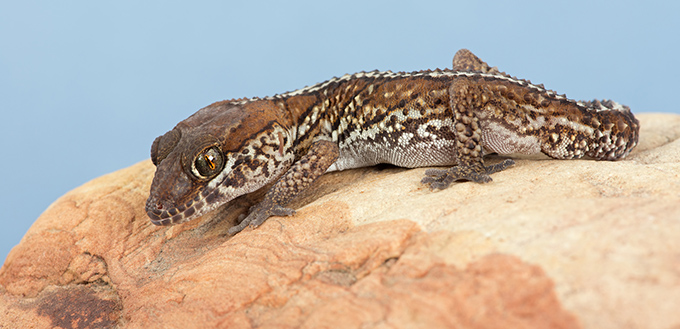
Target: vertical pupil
208	163
209	159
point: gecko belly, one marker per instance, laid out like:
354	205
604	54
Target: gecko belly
497	138
419	154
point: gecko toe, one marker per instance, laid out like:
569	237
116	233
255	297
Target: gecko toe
238	228
442	178
499	166
439	185
282	211
437	179
259	214
437	173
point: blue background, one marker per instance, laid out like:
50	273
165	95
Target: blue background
86	86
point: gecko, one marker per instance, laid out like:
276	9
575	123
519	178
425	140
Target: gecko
446	118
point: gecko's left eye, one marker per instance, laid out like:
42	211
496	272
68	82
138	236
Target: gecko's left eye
208	163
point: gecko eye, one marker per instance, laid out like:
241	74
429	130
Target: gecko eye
208	163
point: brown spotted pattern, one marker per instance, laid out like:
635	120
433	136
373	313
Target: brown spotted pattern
302	174
426	118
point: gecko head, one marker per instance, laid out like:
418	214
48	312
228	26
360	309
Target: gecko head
219	153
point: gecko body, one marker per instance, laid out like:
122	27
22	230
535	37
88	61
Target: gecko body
418	119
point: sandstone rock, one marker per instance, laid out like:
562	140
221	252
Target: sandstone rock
547	244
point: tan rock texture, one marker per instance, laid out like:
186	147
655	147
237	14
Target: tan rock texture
547	244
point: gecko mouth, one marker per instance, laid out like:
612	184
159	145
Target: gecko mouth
165	213
161	214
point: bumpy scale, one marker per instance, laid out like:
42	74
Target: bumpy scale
419	119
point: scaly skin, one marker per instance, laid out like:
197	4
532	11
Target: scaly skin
419	119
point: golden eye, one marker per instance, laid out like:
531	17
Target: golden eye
209	163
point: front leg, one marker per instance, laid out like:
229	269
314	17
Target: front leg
321	155
465	100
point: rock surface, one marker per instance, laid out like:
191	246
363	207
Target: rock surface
547	244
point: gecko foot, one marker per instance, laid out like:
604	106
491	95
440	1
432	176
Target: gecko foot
442	178
259	213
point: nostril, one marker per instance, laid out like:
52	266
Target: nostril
159	206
